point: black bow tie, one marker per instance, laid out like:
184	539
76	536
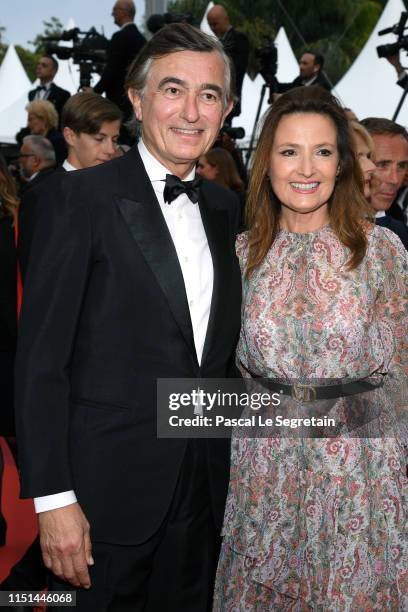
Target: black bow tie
175	186
41	88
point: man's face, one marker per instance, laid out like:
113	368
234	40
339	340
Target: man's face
307	66
217	23
45	70
117	14
391	153
86	150
28	161
181	109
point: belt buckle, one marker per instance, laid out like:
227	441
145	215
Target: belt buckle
303	393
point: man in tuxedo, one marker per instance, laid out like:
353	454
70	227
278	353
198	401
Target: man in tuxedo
132	278
391	160
310	73
235	44
46	70
123	48
91	127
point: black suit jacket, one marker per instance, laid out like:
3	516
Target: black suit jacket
123	48
104	315
236	45
395	226
57	96
321	81
8	323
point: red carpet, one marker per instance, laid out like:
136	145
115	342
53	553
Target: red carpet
19	514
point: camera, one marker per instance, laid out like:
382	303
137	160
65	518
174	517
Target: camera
401	43
88	51
236	133
157	22
268	62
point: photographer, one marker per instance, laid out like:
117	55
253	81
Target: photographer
123	48
310	73
235	44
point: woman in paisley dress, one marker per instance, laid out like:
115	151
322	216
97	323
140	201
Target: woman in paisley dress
318	523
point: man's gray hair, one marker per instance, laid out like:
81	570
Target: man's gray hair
172	39
41	147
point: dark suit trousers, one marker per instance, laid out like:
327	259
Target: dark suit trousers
174	570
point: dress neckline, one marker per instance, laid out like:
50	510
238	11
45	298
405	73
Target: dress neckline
312	233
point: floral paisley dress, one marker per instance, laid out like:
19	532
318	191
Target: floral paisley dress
321	524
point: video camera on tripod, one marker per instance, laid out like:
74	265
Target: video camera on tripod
268	66
391	52
88	51
402	41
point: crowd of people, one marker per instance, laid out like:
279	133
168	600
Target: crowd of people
124	265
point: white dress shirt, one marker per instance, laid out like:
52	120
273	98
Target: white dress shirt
183	219
68	167
43	94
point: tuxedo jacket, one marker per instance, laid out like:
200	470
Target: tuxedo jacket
104	315
57	96
321	81
123	48
8	323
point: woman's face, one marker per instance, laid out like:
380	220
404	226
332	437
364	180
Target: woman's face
36	125
205	169
303	167
366	164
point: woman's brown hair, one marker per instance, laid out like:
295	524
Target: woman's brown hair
227	174
8	193
348	208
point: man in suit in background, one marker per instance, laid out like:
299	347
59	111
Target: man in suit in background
235	44
132	278
36	160
123	48
310	73
391	160
46	70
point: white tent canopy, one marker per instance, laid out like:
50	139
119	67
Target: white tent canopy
12	118
13	79
369	86
204	27
288	67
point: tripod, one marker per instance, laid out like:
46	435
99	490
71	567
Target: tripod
258	112
401	102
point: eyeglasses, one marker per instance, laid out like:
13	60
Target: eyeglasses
26	154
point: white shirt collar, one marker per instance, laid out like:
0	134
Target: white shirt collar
33	176
68	167
126	24
309	82
155	170
380	213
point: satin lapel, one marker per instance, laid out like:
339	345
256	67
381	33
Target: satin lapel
148	228
216	228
